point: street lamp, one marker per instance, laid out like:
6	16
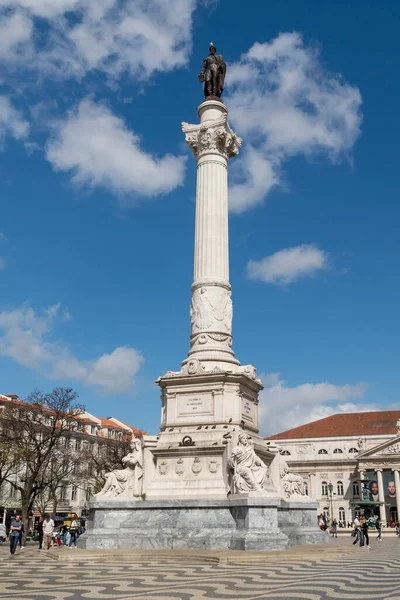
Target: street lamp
330	488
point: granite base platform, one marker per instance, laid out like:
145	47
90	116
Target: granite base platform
238	523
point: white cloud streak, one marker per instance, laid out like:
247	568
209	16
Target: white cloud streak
99	150
139	37
11	121
283	407
284	103
25	337
289	264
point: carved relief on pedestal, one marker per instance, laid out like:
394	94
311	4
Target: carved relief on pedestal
196	466
163	468
213	466
212	137
179	467
211	308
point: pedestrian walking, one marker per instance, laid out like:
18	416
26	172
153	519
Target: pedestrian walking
73	532
357	530
334	528
40	533
48	528
364	532
378	526
64	531
15	529
21	536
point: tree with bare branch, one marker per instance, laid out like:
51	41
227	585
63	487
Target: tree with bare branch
42	429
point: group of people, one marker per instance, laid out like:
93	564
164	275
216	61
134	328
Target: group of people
66	536
360	531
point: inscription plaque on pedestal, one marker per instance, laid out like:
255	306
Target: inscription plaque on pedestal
248	410
201	404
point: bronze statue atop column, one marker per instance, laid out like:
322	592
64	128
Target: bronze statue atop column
213	73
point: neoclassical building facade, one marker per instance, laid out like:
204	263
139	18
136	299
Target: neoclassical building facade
342	456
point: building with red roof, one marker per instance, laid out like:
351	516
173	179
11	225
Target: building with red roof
350	463
89	429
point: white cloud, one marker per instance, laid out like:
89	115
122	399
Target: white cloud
99	149
25	336
11	121
289	264
15	36
134	36
283	407
284	103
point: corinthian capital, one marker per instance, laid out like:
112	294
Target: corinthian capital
212	137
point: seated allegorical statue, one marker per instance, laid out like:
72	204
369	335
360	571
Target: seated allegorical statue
249	471
126	484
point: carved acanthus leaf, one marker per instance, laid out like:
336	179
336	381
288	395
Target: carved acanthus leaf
212	137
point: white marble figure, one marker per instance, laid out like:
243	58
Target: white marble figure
398	425
126	484
291	484
201	310
211	307
249	470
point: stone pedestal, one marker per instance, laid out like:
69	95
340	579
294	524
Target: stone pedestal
232	524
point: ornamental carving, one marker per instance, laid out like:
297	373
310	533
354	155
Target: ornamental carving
213	466
394	449
211	308
302	449
214	137
179	467
163	468
196	466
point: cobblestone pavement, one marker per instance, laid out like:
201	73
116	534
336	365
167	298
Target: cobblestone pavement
336	571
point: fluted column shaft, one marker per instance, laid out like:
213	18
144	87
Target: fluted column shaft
211	260
213	143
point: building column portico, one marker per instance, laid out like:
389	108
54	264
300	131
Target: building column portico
397	483
381	495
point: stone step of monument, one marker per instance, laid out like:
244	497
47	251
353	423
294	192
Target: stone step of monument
313	552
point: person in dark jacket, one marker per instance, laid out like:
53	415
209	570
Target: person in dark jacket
364	528
40	533
20	536
378	526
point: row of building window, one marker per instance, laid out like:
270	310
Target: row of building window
342	513
340	488
324	451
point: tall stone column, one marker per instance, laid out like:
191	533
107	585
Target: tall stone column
381	495
213	143
397	483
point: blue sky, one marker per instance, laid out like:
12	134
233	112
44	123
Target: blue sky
97	199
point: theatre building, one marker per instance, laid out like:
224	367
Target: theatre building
350	463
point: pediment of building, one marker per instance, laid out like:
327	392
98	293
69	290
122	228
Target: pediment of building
385	450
